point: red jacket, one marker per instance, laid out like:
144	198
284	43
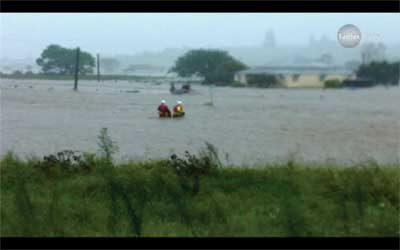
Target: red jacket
163	108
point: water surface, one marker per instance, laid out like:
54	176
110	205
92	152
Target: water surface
247	125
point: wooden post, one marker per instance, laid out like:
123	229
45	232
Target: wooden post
77	69
211	95
98	67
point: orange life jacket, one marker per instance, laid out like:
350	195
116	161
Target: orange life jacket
178	108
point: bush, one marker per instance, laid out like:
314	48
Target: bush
193	166
263	81
333	83
237	84
66	161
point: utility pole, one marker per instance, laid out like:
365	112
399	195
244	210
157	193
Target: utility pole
98	67
77	68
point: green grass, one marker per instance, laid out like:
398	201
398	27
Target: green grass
151	199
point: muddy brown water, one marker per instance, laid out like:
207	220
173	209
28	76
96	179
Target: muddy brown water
248	126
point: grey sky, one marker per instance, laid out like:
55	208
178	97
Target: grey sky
26	35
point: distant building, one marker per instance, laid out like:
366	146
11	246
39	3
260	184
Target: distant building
269	41
296	76
311	41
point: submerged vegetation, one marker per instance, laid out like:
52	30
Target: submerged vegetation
115	77
81	194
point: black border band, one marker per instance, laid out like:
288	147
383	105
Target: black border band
200	243
200	6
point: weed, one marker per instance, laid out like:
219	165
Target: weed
25	208
192	166
107	146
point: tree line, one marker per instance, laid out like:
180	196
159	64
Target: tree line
212	65
380	72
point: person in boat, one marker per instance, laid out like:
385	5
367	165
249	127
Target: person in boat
172	88
178	109
186	88
163	109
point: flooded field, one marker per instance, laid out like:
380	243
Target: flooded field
248	126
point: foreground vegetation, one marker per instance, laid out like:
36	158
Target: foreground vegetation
96	198
81	194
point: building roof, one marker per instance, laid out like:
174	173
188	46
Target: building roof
290	70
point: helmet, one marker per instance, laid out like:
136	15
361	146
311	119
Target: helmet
179	102
163	101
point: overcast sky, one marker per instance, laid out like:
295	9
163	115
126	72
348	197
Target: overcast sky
26	35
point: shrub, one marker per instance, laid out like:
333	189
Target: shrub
66	161
193	166
264	81
238	84
334	83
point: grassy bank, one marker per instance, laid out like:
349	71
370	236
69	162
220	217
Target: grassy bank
85	195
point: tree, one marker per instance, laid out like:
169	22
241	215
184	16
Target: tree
352	65
58	60
17	73
215	66
373	52
380	72
109	64
326	59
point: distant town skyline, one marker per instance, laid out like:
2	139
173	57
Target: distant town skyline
25	35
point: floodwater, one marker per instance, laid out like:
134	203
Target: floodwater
248	126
